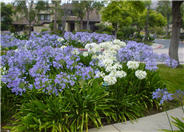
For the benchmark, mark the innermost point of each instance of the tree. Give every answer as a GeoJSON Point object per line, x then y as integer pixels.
{"type": "Point", "coordinates": [90, 6]}
{"type": "Point", "coordinates": [79, 9]}
{"type": "Point", "coordinates": [121, 13]}
{"type": "Point", "coordinates": [6, 13]}
{"type": "Point", "coordinates": [56, 10]}
{"type": "Point", "coordinates": [147, 4]}
{"type": "Point", "coordinates": [25, 7]}
{"type": "Point", "coordinates": [41, 6]}
{"type": "Point", "coordinates": [65, 10]}
{"type": "Point", "coordinates": [164, 7]}
{"type": "Point", "coordinates": [176, 25]}
{"type": "Point", "coordinates": [155, 19]}
{"type": "Point", "coordinates": [182, 14]}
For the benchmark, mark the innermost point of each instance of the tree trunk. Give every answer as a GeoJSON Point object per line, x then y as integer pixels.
{"type": "Point", "coordinates": [115, 30]}
{"type": "Point", "coordinates": [167, 30]}
{"type": "Point", "coordinates": [147, 24]}
{"type": "Point", "coordinates": [55, 17]}
{"type": "Point", "coordinates": [30, 29]}
{"type": "Point", "coordinates": [88, 27]}
{"type": "Point", "coordinates": [64, 21]}
{"type": "Point", "coordinates": [176, 25]}
{"type": "Point", "coordinates": [81, 23]}
{"type": "Point", "coordinates": [63, 25]}
{"type": "Point", "coordinates": [29, 17]}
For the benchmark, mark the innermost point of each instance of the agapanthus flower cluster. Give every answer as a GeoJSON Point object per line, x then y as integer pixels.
{"type": "Point", "coordinates": [48, 69]}
{"type": "Point", "coordinates": [132, 64]}
{"type": "Point", "coordinates": [85, 37]}
{"type": "Point", "coordinates": [105, 55]}
{"type": "Point", "coordinates": [45, 61]}
{"type": "Point", "coordinates": [143, 53]}
{"type": "Point", "coordinates": [163, 95]}
{"type": "Point", "coordinates": [8, 40]}
{"type": "Point", "coordinates": [140, 74]}
{"type": "Point", "coordinates": [38, 41]}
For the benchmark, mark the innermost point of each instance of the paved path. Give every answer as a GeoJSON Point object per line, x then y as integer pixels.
{"type": "Point", "coordinates": [161, 46]}
{"type": "Point", "coordinates": [153, 123]}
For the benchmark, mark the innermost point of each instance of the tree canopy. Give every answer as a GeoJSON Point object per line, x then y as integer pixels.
{"type": "Point", "coordinates": [121, 13]}
{"type": "Point", "coordinates": [6, 13]}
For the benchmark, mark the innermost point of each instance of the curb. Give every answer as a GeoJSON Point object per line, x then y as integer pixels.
{"type": "Point", "coordinates": [157, 46]}
{"type": "Point", "coordinates": [151, 123]}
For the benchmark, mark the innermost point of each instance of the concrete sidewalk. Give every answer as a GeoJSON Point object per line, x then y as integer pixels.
{"type": "Point", "coordinates": [152, 123]}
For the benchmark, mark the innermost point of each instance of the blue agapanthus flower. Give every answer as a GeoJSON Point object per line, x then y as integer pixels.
{"type": "Point", "coordinates": [163, 95]}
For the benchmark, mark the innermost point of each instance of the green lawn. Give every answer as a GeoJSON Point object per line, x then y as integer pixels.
{"type": "Point", "coordinates": [173, 78]}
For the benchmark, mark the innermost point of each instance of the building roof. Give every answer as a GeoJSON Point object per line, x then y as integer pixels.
{"type": "Point", "coordinates": [22, 21]}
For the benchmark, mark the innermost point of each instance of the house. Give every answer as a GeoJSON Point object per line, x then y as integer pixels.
{"type": "Point", "coordinates": [44, 20]}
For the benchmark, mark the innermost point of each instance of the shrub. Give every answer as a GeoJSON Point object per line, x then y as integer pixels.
{"type": "Point", "coordinates": [9, 104]}
{"type": "Point", "coordinates": [44, 30]}
{"type": "Point", "coordinates": [126, 33]}
{"type": "Point", "coordinates": [73, 110]}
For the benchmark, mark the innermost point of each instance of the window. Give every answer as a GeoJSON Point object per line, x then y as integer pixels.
{"type": "Point", "coordinates": [44, 17]}
{"type": "Point", "coordinates": [70, 12]}
{"type": "Point", "coordinates": [47, 17]}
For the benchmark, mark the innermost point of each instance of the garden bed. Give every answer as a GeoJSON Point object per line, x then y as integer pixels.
{"type": "Point", "coordinates": [48, 83]}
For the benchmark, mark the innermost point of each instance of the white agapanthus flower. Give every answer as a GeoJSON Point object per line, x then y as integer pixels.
{"type": "Point", "coordinates": [122, 44]}
{"type": "Point", "coordinates": [89, 45]}
{"type": "Point", "coordinates": [114, 67]}
{"type": "Point", "coordinates": [133, 64]}
{"type": "Point", "coordinates": [94, 56]}
{"type": "Point", "coordinates": [116, 41]}
{"type": "Point", "coordinates": [60, 39]}
{"type": "Point", "coordinates": [110, 79]}
{"type": "Point", "coordinates": [109, 54]}
{"type": "Point", "coordinates": [106, 45]}
{"type": "Point", "coordinates": [96, 48]}
{"type": "Point", "coordinates": [107, 62]}
{"type": "Point", "coordinates": [62, 47]}
{"type": "Point", "coordinates": [140, 74]}
{"type": "Point", "coordinates": [85, 54]}
{"type": "Point", "coordinates": [120, 74]}
{"type": "Point", "coordinates": [117, 66]}
{"type": "Point", "coordinates": [75, 52]}
{"type": "Point", "coordinates": [100, 74]}
{"type": "Point", "coordinates": [119, 43]}
{"type": "Point", "coordinates": [105, 53]}
{"type": "Point", "coordinates": [109, 68]}
{"type": "Point", "coordinates": [115, 47]}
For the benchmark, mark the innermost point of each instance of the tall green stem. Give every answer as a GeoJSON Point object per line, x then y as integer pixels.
{"type": "Point", "coordinates": [182, 106]}
{"type": "Point", "coordinates": [169, 121]}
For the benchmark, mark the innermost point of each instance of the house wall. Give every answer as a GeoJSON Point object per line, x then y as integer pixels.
{"type": "Point", "coordinates": [67, 27]}
{"type": "Point", "coordinates": [77, 26]}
